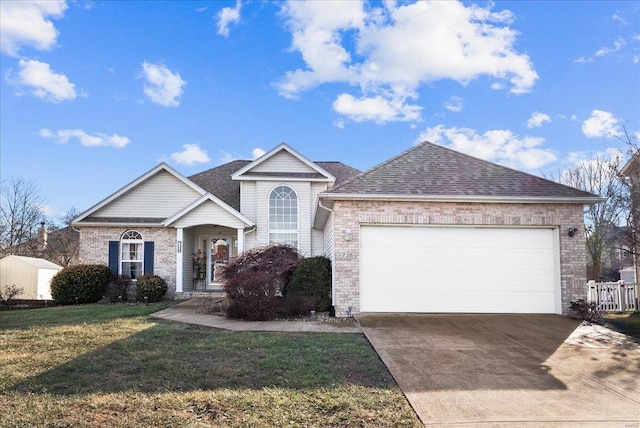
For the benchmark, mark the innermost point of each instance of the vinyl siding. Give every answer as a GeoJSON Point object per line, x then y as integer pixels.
{"type": "Point", "coordinates": [209, 213]}
{"type": "Point", "coordinates": [160, 196]}
{"type": "Point", "coordinates": [282, 161]}
{"type": "Point", "coordinates": [248, 199]}
{"type": "Point", "coordinates": [327, 247]}
{"type": "Point", "coordinates": [303, 189]}
{"type": "Point", "coordinates": [317, 239]}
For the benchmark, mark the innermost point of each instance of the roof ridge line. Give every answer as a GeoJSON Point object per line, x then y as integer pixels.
{"type": "Point", "coordinates": [380, 165]}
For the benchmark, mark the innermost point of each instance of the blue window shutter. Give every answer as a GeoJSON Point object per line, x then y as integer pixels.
{"type": "Point", "coordinates": [148, 257]}
{"type": "Point", "coordinates": [114, 249]}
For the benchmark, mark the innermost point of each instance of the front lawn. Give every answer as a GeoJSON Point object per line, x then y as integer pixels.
{"type": "Point", "coordinates": [627, 323]}
{"type": "Point", "coordinates": [112, 365]}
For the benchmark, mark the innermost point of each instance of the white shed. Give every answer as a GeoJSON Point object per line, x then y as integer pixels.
{"type": "Point", "coordinates": [31, 274]}
{"type": "Point", "coordinates": [628, 274]}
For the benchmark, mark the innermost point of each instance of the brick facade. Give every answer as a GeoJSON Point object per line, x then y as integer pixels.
{"type": "Point", "coordinates": [352, 214]}
{"type": "Point", "coordinates": [634, 175]}
{"type": "Point", "coordinates": [94, 248]}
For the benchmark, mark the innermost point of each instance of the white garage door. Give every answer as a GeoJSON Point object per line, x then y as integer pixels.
{"type": "Point", "coordinates": [459, 269]}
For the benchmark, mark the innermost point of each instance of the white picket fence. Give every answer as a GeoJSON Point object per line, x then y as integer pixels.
{"type": "Point", "coordinates": [614, 296]}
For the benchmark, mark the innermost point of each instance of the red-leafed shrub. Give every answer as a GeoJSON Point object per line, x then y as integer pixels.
{"type": "Point", "coordinates": [295, 305]}
{"type": "Point", "coordinates": [254, 281]}
{"type": "Point", "coordinates": [254, 297]}
{"type": "Point", "coordinates": [118, 288]}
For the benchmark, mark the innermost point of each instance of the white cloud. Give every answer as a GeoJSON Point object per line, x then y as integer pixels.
{"type": "Point", "coordinates": [257, 152]}
{"type": "Point", "coordinates": [43, 82]}
{"type": "Point", "coordinates": [378, 109]}
{"type": "Point", "coordinates": [191, 154]}
{"type": "Point", "coordinates": [619, 18]}
{"type": "Point", "coordinates": [617, 45]}
{"type": "Point", "coordinates": [537, 119]}
{"type": "Point", "coordinates": [454, 103]}
{"type": "Point", "coordinates": [501, 146]}
{"type": "Point", "coordinates": [162, 86]}
{"type": "Point", "coordinates": [392, 50]}
{"type": "Point", "coordinates": [601, 124]}
{"type": "Point", "coordinates": [228, 15]}
{"type": "Point", "coordinates": [63, 136]}
{"type": "Point", "coordinates": [27, 23]}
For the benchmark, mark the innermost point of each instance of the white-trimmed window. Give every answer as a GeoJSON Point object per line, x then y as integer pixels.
{"type": "Point", "coordinates": [132, 254]}
{"type": "Point", "coordinates": [283, 216]}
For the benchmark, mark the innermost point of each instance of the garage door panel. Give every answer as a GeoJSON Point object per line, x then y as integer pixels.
{"type": "Point", "coordinates": [458, 269]}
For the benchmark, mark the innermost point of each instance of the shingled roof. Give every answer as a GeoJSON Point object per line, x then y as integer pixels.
{"type": "Point", "coordinates": [432, 171]}
{"type": "Point", "coordinates": [218, 182]}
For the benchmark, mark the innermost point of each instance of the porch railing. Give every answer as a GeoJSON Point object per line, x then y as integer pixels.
{"type": "Point", "coordinates": [614, 296]}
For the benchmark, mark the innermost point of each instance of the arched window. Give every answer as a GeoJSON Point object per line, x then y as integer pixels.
{"type": "Point", "coordinates": [131, 254]}
{"type": "Point", "coordinates": [283, 216]}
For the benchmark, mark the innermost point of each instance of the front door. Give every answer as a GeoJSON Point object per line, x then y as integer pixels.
{"type": "Point", "coordinates": [219, 250]}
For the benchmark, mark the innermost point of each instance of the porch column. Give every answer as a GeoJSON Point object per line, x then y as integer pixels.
{"type": "Point", "coordinates": [240, 241]}
{"type": "Point", "coordinates": [179, 259]}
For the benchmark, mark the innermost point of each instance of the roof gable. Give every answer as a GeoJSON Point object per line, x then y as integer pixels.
{"type": "Point", "coordinates": [432, 172]}
{"type": "Point", "coordinates": [283, 163]}
{"type": "Point", "coordinates": [632, 164]}
{"type": "Point", "coordinates": [154, 184]}
{"type": "Point", "coordinates": [211, 208]}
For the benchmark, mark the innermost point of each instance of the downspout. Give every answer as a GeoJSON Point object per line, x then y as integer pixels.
{"type": "Point", "coordinates": [332, 312]}
{"type": "Point", "coordinates": [246, 232]}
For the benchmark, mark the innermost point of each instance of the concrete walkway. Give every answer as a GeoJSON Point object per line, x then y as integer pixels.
{"type": "Point", "coordinates": [188, 312]}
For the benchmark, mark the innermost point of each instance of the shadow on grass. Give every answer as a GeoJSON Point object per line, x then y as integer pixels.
{"type": "Point", "coordinates": [74, 315]}
{"type": "Point", "coordinates": [168, 357]}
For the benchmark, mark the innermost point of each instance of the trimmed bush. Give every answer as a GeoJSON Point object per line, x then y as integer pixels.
{"type": "Point", "coordinates": [117, 290]}
{"type": "Point", "coordinates": [312, 279]}
{"type": "Point", "coordinates": [152, 287]}
{"type": "Point", "coordinates": [254, 281]}
{"type": "Point", "coordinates": [87, 283]}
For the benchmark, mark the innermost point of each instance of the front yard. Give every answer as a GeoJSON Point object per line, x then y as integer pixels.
{"type": "Point", "coordinates": [627, 323]}
{"type": "Point", "coordinates": [111, 365]}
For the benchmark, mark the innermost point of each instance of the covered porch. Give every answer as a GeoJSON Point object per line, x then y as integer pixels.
{"type": "Point", "coordinates": [207, 248]}
{"type": "Point", "coordinates": [208, 233]}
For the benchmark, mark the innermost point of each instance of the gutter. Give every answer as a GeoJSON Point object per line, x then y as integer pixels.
{"type": "Point", "coordinates": [456, 198]}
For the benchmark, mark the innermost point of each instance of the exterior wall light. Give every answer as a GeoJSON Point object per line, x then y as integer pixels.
{"type": "Point", "coordinates": [572, 231]}
{"type": "Point", "coordinates": [347, 235]}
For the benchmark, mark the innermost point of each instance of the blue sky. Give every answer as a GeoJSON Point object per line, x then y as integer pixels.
{"type": "Point", "coordinates": [94, 94]}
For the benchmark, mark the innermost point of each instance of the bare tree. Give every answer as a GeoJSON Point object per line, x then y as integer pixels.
{"type": "Point", "coordinates": [21, 211]}
{"type": "Point", "coordinates": [603, 220]}
{"type": "Point", "coordinates": [632, 181]}
{"type": "Point", "coordinates": [62, 245]}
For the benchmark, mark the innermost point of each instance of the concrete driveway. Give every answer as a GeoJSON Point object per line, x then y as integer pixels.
{"type": "Point", "coordinates": [523, 370]}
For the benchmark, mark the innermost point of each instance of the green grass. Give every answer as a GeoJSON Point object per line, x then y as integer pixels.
{"type": "Point", "coordinates": [112, 365]}
{"type": "Point", "coordinates": [627, 323]}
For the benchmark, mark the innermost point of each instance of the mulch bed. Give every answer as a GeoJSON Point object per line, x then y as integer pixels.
{"type": "Point", "coordinates": [217, 307]}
